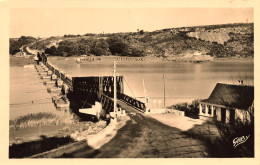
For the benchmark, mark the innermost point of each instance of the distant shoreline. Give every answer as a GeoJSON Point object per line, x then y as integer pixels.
{"type": "Point", "coordinates": [147, 59]}
{"type": "Point", "coordinates": [21, 61]}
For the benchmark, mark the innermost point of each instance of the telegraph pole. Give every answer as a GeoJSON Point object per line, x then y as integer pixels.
{"type": "Point", "coordinates": [146, 101]}
{"type": "Point", "coordinates": [115, 99]}
{"type": "Point", "coordinates": [164, 89]}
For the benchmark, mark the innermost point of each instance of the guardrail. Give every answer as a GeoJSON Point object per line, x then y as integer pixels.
{"type": "Point", "coordinates": [107, 103]}
{"type": "Point", "coordinates": [97, 86]}
{"type": "Point", "coordinates": [132, 102]}
{"type": "Point", "coordinates": [67, 80]}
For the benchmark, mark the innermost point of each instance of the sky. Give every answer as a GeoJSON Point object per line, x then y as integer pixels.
{"type": "Point", "coordinates": [46, 22]}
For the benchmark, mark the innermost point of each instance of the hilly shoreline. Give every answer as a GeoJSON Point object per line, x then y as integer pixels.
{"type": "Point", "coordinates": [200, 43]}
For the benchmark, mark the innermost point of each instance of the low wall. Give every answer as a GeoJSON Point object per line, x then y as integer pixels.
{"type": "Point", "coordinates": [207, 118]}
{"type": "Point", "coordinates": [177, 112]}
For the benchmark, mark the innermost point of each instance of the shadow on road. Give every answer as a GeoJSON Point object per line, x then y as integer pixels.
{"type": "Point", "coordinates": [145, 137]}
{"type": "Point", "coordinates": [218, 144]}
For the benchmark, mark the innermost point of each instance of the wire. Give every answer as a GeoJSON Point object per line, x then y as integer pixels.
{"type": "Point", "coordinates": [129, 87]}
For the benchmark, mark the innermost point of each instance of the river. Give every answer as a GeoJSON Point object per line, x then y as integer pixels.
{"type": "Point", "coordinates": [184, 81]}
{"type": "Point", "coordinates": [28, 94]}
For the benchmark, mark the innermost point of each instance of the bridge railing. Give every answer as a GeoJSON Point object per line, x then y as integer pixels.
{"type": "Point", "coordinates": [107, 103]}
{"type": "Point", "coordinates": [67, 80]}
{"type": "Point", "coordinates": [95, 85]}
{"type": "Point", "coordinates": [132, 102]}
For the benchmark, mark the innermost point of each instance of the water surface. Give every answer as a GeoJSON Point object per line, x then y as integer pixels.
{"type": "Point", "coordinates": [28, 94]}
{"type": "Point", "coordinates": [183, 80]}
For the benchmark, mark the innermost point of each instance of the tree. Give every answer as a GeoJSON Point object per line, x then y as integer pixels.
{"type": "Point", "coordinates": [52, 51]}
{"type": "Point", "coordinates": [15, 45]}
{"type": "Point", "coordinates": [117, 45]}
{"type": "Point", "coordinates": [137, 52]}
{"type": "Point", "coordinates": [101, 47]}
{"type": "Point", "coordinates": [141, 32]}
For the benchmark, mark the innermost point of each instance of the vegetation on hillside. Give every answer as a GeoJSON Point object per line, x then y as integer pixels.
{"type": "Point", "coordinates": [16, 44]}
{"type": "Point", "coordinates": [227, 40]}
{"type": "Point", "coordinates": [42, 44]}
{"type": "Point", "coordinates": [115, 45]}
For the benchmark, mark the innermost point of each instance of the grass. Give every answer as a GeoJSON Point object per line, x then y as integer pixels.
{"type": "Point", "coordinates": [223, 147]}
{"type": "Point", "coordinates": [230, 132]}
{"type": "Point", "coordinates": [37, 119]}
{"type": "Point", "coordinates": [190, 109]}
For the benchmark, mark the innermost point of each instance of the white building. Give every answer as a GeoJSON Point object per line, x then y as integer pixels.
{"type": "Point", "coordinates": [228, 103]}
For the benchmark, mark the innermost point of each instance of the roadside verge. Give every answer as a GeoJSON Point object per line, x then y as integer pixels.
{"type": "Point", "coordinates": [92, 141]}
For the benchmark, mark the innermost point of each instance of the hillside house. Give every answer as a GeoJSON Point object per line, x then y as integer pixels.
{"type": "Point", "coordinates": [228, 103]}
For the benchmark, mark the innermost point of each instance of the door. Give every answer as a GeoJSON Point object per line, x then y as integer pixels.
{"type": "Point", "coordinates": [232, 116]}
{"type": "Point", "coordinates": [223, 115]}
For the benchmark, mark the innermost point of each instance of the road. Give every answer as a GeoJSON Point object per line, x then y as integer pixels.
{"type": "Point", "coordinates": [145, 137]}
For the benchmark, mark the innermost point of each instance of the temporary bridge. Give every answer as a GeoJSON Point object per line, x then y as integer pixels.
{"type": "Point", "coordinates": [98, 88]}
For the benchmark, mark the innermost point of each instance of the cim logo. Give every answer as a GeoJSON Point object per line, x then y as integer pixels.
{"type": "Point", "coordinates": [239, 140]}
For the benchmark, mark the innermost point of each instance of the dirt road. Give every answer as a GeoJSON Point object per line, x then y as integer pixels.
{"type": "Point", "coordinates": [145, 137]}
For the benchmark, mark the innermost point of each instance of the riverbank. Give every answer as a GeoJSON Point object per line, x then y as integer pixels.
{"type": "Point", "coordinates": [32, 126]}
{"type": "Point", "coordinates": [34, 130]}
{"type": "Point", "coordinates": [50, 140]}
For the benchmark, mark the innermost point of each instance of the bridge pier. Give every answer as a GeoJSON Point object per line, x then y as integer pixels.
{"type": "Point", "coordinates": [49, 72]}
{"type": "Point", "coordinates": [65, 89]}
{"type": "Point", "coordinates": [86, 89]}
{"type": "Point", "coordinates": [59, 83]}
{"type": "Point", "coordinates": [54, 77]}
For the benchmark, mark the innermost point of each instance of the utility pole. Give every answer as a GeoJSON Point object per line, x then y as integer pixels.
{"type": "Point", "coordinates": [164, 89]}
{"type": "Point", "coordinates": [115, 99]}
{"type": "Point", "coordinates": [145, 96]}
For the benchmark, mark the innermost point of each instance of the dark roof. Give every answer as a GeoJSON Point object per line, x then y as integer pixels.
{"type": "Point", "coordinates": [232, 96]}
